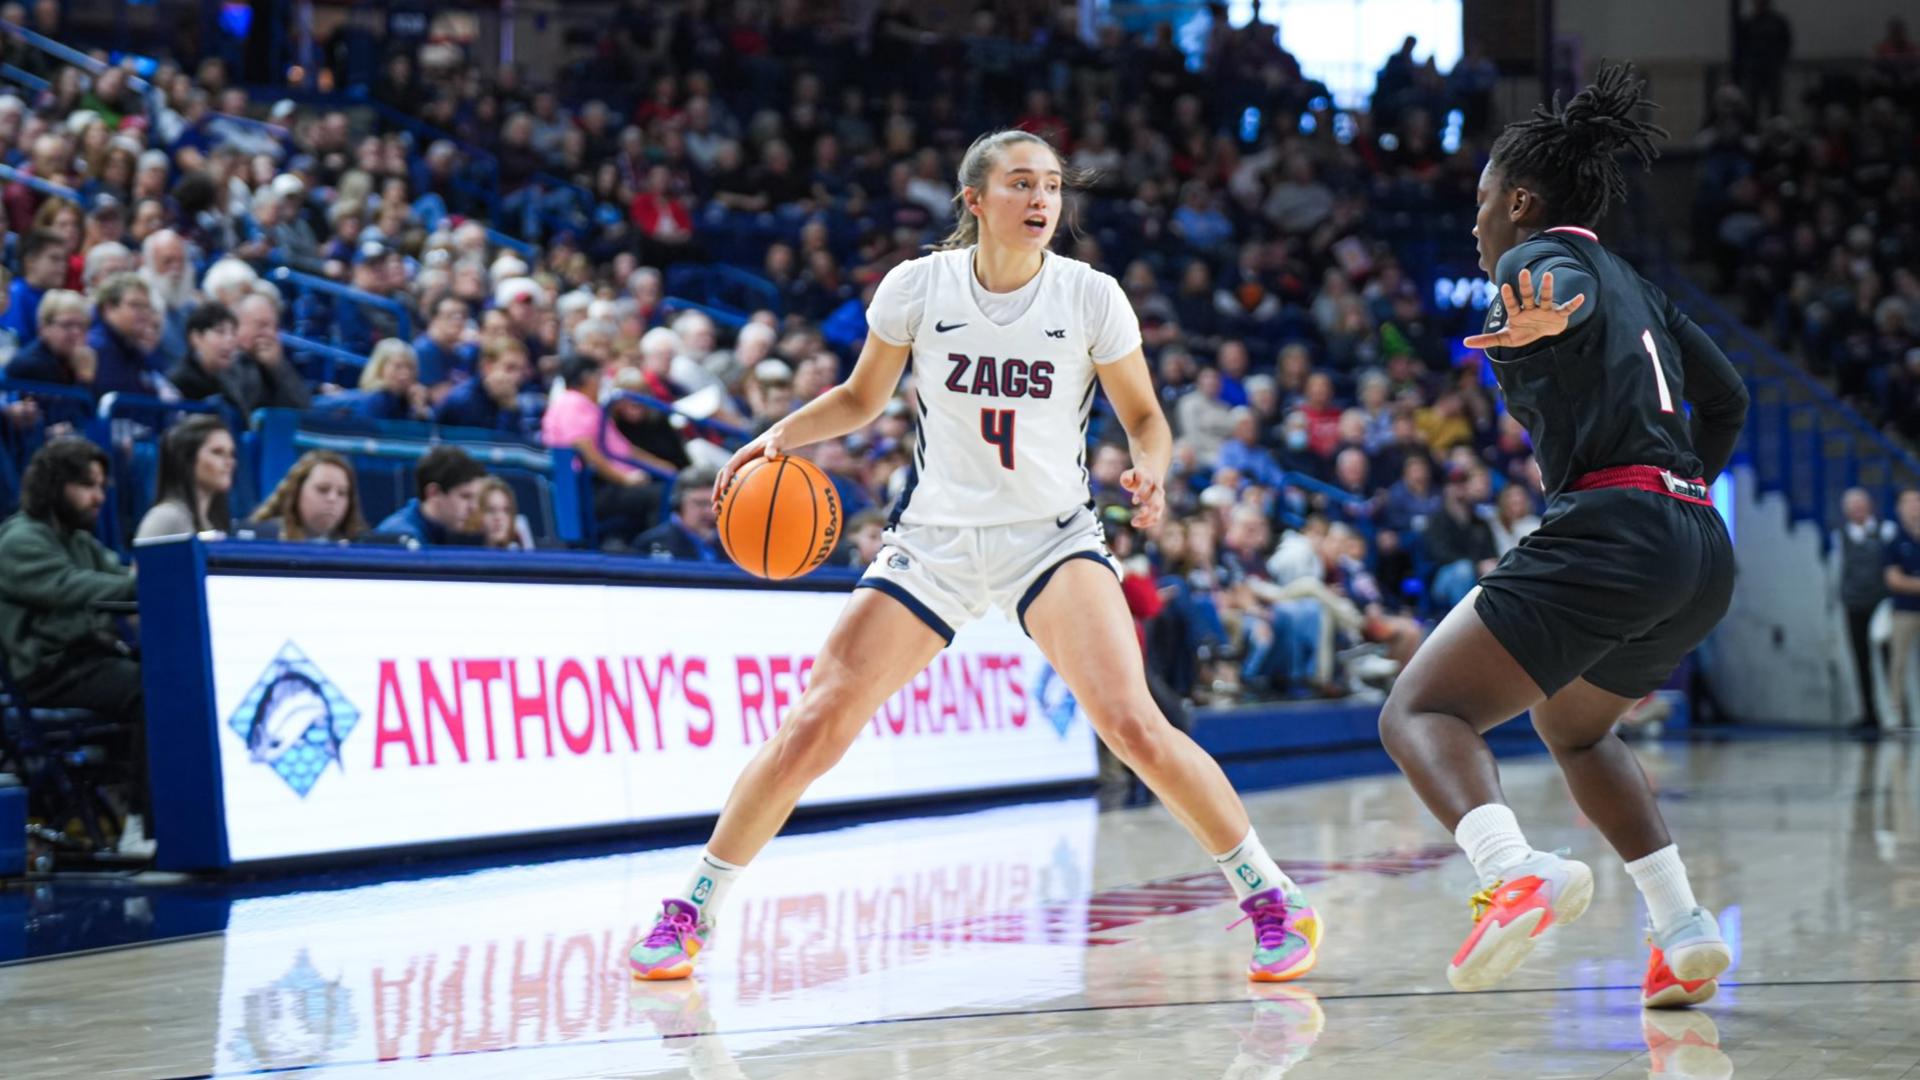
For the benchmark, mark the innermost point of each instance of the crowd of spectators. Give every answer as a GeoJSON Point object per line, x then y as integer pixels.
{"type": "Point", "coordinates": [1810, 215]}
{"type": "Point", "coordinates": [1338, 459]}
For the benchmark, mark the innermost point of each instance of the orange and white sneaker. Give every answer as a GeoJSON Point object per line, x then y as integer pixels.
{"type": "Point", "coordinates": [1540, 893]}
{"type": "Point", "coordinates": [1698, 955]}
{"type": "Point", "coordinates": [1683, 1046]}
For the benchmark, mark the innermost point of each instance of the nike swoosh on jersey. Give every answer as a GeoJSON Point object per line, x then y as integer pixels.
{"type": "Point", "coordinates": [940, 327]}
{"type": "Point", "coordinates": [1063, 522]}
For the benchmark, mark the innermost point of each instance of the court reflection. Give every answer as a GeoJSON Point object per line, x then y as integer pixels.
{"type": "Point", "coordinates": [1683, 1044]}
{"type": "Point", "coordinates": [828, 928]}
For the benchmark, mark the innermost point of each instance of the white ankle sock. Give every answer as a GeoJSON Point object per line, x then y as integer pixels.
{"type": "Point", "coordinates": [1491, 837]}
{"type": "Point", "coordinates": [1250, 869]}
{"type": "Point", "coordinates": [1662, 879]}
{"type": "Point", "coordinates": [707, 887]}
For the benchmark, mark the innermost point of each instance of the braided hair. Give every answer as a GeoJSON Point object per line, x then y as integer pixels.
{"type": "Point", "coordinates": [1567, 154]}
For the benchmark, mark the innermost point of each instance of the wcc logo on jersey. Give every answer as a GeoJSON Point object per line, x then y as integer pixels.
{"type": "Point", "coordinates": [294, 719]}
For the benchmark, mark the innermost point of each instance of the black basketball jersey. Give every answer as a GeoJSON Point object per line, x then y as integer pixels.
{"type": "Point", "coordinates": [1608, 390]}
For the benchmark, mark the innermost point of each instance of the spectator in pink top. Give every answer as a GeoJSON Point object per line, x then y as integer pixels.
{"type": "Point", "coordinates": [624, 497]}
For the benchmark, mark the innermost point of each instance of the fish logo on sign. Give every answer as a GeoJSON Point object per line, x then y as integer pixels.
{"type": "Point", "coordinates": [294, 719]}
{"type": "Point", "coordinates": [1050, 693]}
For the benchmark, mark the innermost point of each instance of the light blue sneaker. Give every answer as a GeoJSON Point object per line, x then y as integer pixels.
{"type": "Point", "coordinates": [1688, 956]}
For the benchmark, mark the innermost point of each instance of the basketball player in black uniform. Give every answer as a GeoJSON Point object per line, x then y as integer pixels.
{"type": "Point", "coordinates": [1631, 566]}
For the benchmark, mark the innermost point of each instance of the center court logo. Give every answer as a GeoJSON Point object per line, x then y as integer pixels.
{"type": "Point", "coordinates": [294, 719]}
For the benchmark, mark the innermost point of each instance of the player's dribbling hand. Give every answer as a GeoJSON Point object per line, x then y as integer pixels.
{"type": "Point", "coordinates": [770, 445]}
{"type": "Point", "coordinates": [1528, 321]}
{"type": "Point", "coordinates": [1149, 498]}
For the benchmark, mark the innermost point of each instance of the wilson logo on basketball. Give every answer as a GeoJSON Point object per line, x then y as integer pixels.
{"type": "Point", "coordinates": [780, 518]}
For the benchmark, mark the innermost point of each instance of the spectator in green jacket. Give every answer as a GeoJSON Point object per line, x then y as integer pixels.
{"type": "Point", "coordinates": [60, 649]}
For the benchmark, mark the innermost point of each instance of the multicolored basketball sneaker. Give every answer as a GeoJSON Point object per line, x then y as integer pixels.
{"type": "Point", "coordinates": [1509, 916]}
{"type": "Point", "coordinates": [668, 950]}
{"type": "Point", "coordinates": [1286, 933]}
{"type": "Point", "coordinates": [1686, 962]}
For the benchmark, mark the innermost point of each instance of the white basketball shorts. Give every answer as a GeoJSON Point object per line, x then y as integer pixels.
{"type": "Point", "coordinates": [950, 575]}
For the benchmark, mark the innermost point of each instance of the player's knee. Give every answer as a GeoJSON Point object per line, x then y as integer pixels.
{"type": "Point", "coordinates": [1136, 733]}
{"type": "Point", "coordinates": [1396, 721]}
{"type": "Point", "coordinates": [810, 741]}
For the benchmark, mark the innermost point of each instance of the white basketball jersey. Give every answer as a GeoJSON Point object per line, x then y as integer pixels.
{"type": "Point", "coordinates": [1003, 410]}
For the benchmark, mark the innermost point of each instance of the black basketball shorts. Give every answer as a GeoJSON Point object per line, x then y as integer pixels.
{"type": "Point", "coordinates": [1616, 586]}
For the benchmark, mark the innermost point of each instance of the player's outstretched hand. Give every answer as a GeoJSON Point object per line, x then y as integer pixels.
{"type": "Point", "coordinates": [1528, 321]}
{"type": "Point", "coordinates": [770, 445]}
{"type": "Point", "coordinates": [1149, 498]}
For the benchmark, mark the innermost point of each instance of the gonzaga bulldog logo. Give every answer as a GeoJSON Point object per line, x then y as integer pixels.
{"type": "Point", "coordinates": [294, 719]}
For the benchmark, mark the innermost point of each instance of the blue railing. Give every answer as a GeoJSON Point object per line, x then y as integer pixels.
{"type": "Point", "coordinates": [731, 320]}
{"type": "Point", "coordinates": [332, 358]}
{"type": "Point", "coordinates": [69, 55]}
{"type": "Point", "coordinates": [730, 432]}
{"type": "Point", "coordinates": [44, 187]}
{"type": "Point", "coordinates": [309, 283]}
{"type": "Point", "coordinates": [1801, 440]}
{"type": "Point", "coordinates": [25, 78]}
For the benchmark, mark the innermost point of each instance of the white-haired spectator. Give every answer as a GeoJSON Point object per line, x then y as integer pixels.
{"type": "Point", "coordinates": [262, 375]}
{"type": "Point", "coordinates": [228, 280]}
{"type": "Point", "coordinates": [697, 334]}
{"type": "Point", "coordinates": [471, 239]}
{"type": "Point", "coordinates": [150, 178]}
{"type": "Point", "coordinates": [647, 288]}
{"type": "Point", "coordinates": [507, 267]}
{"type": "Point", "coordinates": [105, 259]}
{"type": "Point", "coordinates": [595, 338]}
{"type": "Point", "coordinates": [169, 277]}
{"type": "Point", "coordinates": [751, 345]}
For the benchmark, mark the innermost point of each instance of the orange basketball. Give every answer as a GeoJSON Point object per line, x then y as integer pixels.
{"type": "Point", "coordinates": [779, 519]}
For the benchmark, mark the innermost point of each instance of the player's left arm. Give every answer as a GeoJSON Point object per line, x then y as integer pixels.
{"type": "Point", "coordinates": [1129, 389]}
{"type": "Point", "coordinates": [1544, 291]}
{"type": "Point", "coordinates": [1714, 389]}
{"type": "Point", "coordinates": [1113, 344]}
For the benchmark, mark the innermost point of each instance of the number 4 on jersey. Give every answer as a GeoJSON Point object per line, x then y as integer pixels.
{"type": "Point", "coordinates": [996, 426]}
{"type": "Point", "coordinates": [1659, 377]}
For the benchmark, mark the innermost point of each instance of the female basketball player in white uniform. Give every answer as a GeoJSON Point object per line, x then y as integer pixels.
{"type": "Point", "coordinates": [1007, 340]}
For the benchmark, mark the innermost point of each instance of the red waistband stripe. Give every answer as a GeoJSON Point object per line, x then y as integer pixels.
{"type": "Point", "coordinates": [1647, 478]}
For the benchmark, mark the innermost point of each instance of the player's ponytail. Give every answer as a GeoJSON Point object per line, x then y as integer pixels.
{"type": "Point", "coordinates": [1567, 154]}
{"type": "Point", "coordinates": [975, 165]}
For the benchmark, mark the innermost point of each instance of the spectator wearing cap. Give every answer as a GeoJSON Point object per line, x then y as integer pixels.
{"type": "Point", "coordinates": [493, 401]}
{"type": "Point", "coordinates": [691, 533]}
{"type": "Point", "coordinates": [525, 303]}
{"type": "Point", "coordinates": [126, 328]}
{"type": "Point", "coordinates": [623, 495]}
{"type": "Point", "coordinates": [261, 373]}
{"type": "Point", "coordinates": [212, 343]}
{"type": "Point", "coordinates": [358, 325]}
{"type": "Point", "coordinates": [43, 266]}
{"type": "Point", "coordinates": [444, 351]}
{"type": "Point", "coordinates": [448, 483]}
{"type": "Point", "coordinates": [1459, 541]}
{"type": "Point", "coordinates": [59, 353]}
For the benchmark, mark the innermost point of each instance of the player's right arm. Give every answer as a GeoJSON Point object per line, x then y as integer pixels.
{"type": "Point", "coordinates": [846, 408]}
{"type": "Point", "coordinates": [892, 321]}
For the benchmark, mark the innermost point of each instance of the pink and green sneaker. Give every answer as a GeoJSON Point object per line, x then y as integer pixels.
{"type": "Point", "coordinates": [1286, 933]}
{"type": "Point", "coordinates": [668, 950]}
